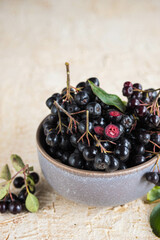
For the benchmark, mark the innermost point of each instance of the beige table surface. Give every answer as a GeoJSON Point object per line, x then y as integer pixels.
{"type": "Point", "coordinates": [115, 40]}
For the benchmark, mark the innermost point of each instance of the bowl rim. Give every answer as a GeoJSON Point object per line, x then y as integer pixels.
{"type": "Point", "coordinates": [83, 172]}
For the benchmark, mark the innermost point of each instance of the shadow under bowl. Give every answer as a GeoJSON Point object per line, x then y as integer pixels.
{"type": "Point", "coordinates": [93, 188]}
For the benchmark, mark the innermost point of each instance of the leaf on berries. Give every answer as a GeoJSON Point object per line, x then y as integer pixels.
{"type": "Point", "coordinates": [110, 99]}
{"type": "Point", "coordinates": [31, 169]}
{"type": "Point", "coordinates": [155, 220]}
{"type": "Point", "coordinates": [32, 203]}
{"type": "Point", "coordinates": [30, 180]}
{"type": "Point", "coordinates": [4, 186]}
{"type": "Point", "coordinates": [5, 173]}
{"type": "Point", "coordinates": [153, 194]}
{"type": "Point", "coordinates": [17, 162]}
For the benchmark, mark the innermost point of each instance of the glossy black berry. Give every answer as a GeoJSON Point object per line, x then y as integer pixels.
{"type": "Point", "coordinates": [127, 121]}
{"type": "Point", "coordinates": [52, 139]}
{"type": "Point", "coordinates": [127, 91]}
{"type": "Point", "coordinates": [124, 142]}
{"type": "Point", "coordinates": [143, 137]}
{"type": "Point", "coordinates": [102, 161]}
{"type": "Point", "coordinates": [74, 139]}
{"type": "Point", "coordinates": [15, 207]}
{"type": "Point", "coordinates": [137, 86]}
{"type": "Point", "coordinates": [138, 159]}
{"type": "Point", "coordinates": [93, 80]}
{"type": "Point", "coordinates": [81, 85]}
{"type": "Point", "coordinates": [155, 137]}
{"type": "Point", "coordinates": [94, 109]}
{"type": "Point", "coordinates": [59, 154]}
{"type": "Point", "coordinates": [154, 121]}
{"type": "Point", "coordinates": [22, 195]}
{"type": "Point", "coordinates": [122, 166]}
{"type": "Point", "coordinates": [82, 126]}
{"type": "Point", "coordinates": [35, 177]}
{"type": "Point", "coordinates": [122, 153]}
{"type": "Point", "coordinates": [82, 145]}
{"type": "Point", "coordinates": [65, 157]}
{"type": "Point", "coordinates": [114, 164]}
{"type": "Point", "coordinates": [152, 177]}
{"type": "Point", "coordinates": [50, 102]}
{"type": "Point", "coordinates": [141, 111]}
{"type": "Point", "coordinates": [18, 182]}
{"type": "Point", "coordinates": [89, 153]}
{"type": "Point", "coordinates": [76, 160]}
{"type": "Point", "coordinates": [64, 142]}
{"type": "Point", "coordinates": [140, 149]}
{"type": "Point", "coordinates": [72, 107]}
{"type": "Point", "coordinates": [82, 98]}
{"type": "Point", "coordinates": [3, 207]}
{"type": "Point", "coordinates": [133, 102]}
{"type": "Point", "coordinates": [8, 199]}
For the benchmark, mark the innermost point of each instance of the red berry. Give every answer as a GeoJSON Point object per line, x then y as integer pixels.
{"type": "Point", "coordinates": [141, 111]}
{"type": "Point", "coordinates": [128, 84]}
{"type": "Point", "coordinates": [112, 132]}
{"type": "Point", "coordinates": [99, 130]}
{"type": "Point", "coordinates": [127, 91]}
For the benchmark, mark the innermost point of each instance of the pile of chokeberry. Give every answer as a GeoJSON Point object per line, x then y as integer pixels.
{"type": "Point", "coordinates": [13, 203]}
{"type": "Point", "coordinates": [25, 199]}
{"type": "Point", "coordinates": [84, 132]}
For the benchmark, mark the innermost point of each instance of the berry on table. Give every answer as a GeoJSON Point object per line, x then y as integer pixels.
{"type": "Point", "coordinates": [18, 182]}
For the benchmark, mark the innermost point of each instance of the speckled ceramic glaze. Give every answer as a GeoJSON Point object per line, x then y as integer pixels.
{"type": "Point", "coordinates": [90, 187]}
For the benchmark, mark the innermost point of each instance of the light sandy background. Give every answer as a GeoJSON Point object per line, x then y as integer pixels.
{"type": "Point", "coordinates": [115, 40]}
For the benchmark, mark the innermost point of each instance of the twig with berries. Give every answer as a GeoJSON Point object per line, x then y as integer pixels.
{"type": "Point", "coordinates": [9, 201]}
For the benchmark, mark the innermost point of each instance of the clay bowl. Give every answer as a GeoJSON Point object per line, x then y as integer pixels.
{"type": "Point", "coordinates": [90, 187]}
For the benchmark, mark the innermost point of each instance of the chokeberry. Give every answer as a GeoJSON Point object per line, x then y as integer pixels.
{"type": "Point", "coordinates": [81, 85]}
{"type": "Point", "coordinates": [122, 153]}
{"type": "Point", "coordinates": [137, 86]}
{"type": "Point", "coordinates": [50, 102]}
{"type": "Point", "coordinates": [76, 160]}
{"type": "Point", "coordinates": [82, 98]}
{"type": "Point", "coordinates": [112, 132]}
{"type": "Point", "coordinates": [113, 115]}
{"type": "Point", "coordinates": [94, 109]}
{"type": "Point", "coordinates": [93, 80]}
{"type": "Point", "coordinates": [18, 182]}
{"type": "Point", "coordinates": [144, 137]}
{"type": "Point", "coordinates": [35, 177]}
{"type": "Point", "coordinates": [127, 121]}
{"type": "Point", "coordinates": [3, 207]}
{"type": "Point", "coordinates": [155, 137]}
{"type": "Point", "coordinates": [89, 153]}
{"type": "Point", "coordinates": [141, 110]}
{"type": "Point", "coordinates": [82, 126]}
{"type": "Point", "coordinates": [102, 161]}
{"type": "Point", "coordinates": [127, 91]}
{"type": "Point", "coordinates": [152, 177]}
{"type": "Point", "coordinates": [138, 159]}
{"type": "Point", "coordinates": [15, 207]}
{"type": "Point", "coordinates": [114, 164]}
{"type": "Point", "coordinates": [52, 139]}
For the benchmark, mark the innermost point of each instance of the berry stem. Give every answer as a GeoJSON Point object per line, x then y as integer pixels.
{"type": "Point", "coordinates": [154, 144]}
{"type": "Point", "coordinates": [87, 132]}
{"type": "Point", "coordinates": [60, 122]}
{"type": "Point", "coordinates": [69, 115]}
{"type": "Point", "coordinates": [68, 96]}
{"type": "Point", "coordinates": [23, 169]}
{"type": "Point", "coordinates": [100, 145]}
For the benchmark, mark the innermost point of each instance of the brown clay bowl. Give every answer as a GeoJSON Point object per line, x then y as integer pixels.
{"type": "Point", "coordinates": [93, 188]}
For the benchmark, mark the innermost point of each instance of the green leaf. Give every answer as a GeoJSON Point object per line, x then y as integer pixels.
{"type": "Point", "coordinates": [5, 173]}
{"type": "Point", "coordinates": [32, 203]}
{"type": "Point", "coordinates": [30, 180]}
{"type": "Point", "coordinates": [155, 220]}
{"type": "Point", "coordinates": [4, 189]}
{"type": "Point", "coordinates": [107, 98]}
{"type": "Point", "coordinates": [153, 194]}
{"type": "Point", "coordinates": [31, 169]}
{"type": "Point", "coordinates": [17, 162]}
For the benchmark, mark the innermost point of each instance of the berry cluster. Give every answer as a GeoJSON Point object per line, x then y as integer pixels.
{"type": "Point", "coordinates": [13, 203]}
{"type": "Point", "coordinates": [84, 132]}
